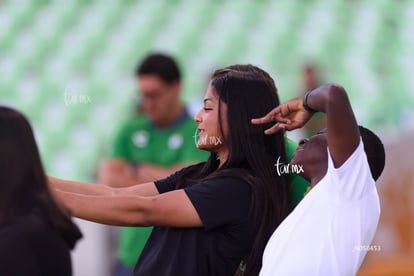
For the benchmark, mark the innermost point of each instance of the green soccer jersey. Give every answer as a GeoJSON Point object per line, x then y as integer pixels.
{"type": "Point", "coordinates": [139, 140]}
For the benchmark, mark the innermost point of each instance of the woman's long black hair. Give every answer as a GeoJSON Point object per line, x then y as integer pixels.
{"type": "Point", "coordinates": [23, 186]}
{"type": "Point", "coordinates": [249, 92]}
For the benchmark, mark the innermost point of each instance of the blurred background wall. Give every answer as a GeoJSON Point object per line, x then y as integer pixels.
{"type": "Point", "coordinates": [68, 65]}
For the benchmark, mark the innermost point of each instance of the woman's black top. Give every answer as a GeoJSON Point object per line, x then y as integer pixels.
{"type": "Point", "coordinates": [216, 248]}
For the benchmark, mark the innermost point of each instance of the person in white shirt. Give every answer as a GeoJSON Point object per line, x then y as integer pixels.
{"type": "Point", "coordinates": [331, 229]}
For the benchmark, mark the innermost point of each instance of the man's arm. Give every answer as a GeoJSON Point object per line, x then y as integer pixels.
{"type": "Point", "coordinates": [343, 132]}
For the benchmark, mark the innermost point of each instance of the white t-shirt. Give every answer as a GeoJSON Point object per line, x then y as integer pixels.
{"type": "Point", "coordinates": [325, 233]}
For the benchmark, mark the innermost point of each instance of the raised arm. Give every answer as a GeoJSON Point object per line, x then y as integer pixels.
{"type": "Point", "coordinates": [343, 131]}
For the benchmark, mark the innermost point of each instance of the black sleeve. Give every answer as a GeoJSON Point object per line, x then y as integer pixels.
{"type": "Point", "coordinates": [169, 183]}
{"type": "Point", "coordinates": [166, 184]}
{"type": "Point", "coordinates": [220, 201]}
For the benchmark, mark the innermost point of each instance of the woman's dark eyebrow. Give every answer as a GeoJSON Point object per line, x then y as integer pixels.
{"type": "Point", "coordinates": [207, 99]}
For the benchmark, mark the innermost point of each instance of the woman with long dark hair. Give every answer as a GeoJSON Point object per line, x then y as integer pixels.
{"type": "Point", "coordinates": [36, 234]}
{"type": "Point", "coordinates": [212, 216]}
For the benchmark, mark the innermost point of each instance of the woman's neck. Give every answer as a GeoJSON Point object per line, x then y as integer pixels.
{"type": "Point", "coordinates": [223, 155]}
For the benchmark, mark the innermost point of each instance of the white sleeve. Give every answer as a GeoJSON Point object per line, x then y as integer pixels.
{"type": "Point", "coordinates": [357, 212]}
{"type": "Point", "coordinates": [352, 180]}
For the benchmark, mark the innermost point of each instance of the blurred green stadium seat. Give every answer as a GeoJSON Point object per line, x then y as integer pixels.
{"type": "Point", "coordinates": [50, 51]}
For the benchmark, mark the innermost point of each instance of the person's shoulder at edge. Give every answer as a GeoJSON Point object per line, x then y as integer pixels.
{"type": "Point", "coordinates": [23, 227]}
{"type": "Point", "coordinates": [15, 246]}
{"type": "Point", "coordinates": [353, 177]}
{"type": "Point", "coordinates": [349, 162]}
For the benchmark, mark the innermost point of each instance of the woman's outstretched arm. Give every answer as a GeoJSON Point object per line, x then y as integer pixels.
{"type": "Point", "coordinates": [145, 189]}
{"type": "Point", "coordinates": [168, 209]}
{"type": "Point", "coordinates": [79, 187]}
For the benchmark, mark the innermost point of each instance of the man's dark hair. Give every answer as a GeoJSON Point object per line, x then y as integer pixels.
{"type": "Point", "coordinates": [161, 65]}
{"type": "Point", "coordinates": [374, 149]}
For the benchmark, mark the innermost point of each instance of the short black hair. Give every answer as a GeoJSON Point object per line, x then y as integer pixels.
{"type": "Point", "coordinates": [374, 149]}
{"type": "Point", "coordinates": [161, 65]}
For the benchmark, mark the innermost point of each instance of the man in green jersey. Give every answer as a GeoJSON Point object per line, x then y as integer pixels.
{"type": "Point", "coordinates": [150, 146]}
